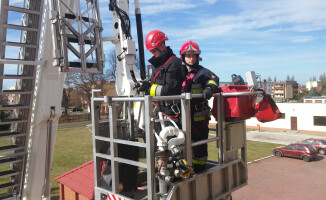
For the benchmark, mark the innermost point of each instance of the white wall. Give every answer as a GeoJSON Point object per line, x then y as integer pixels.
{"type": "Point", "coordinates": [303, 111]}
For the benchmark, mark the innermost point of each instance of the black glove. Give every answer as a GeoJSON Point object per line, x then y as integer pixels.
{"type": "Point", "coordinates": [208, 93]}
{"type": "Point", "coordinates": [146, 85]}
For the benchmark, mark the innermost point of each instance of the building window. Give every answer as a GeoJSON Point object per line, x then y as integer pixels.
{"type": "Point", "coordinates": [319, 121]}
{"type": "Point", "coordinates": [318, 101]}
{"type": "Point", "coordinates": [308, 101]}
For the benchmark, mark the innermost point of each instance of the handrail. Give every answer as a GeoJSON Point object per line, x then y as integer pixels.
{"type": "Point", "coordinates": [175, 97]}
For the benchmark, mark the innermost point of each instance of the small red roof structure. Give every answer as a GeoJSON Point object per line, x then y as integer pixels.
{"type": "Point", "coordinates": [79, 180]}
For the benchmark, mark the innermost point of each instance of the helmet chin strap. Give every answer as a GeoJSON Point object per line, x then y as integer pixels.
{"type": "Point", "coordinates": [189, 65]}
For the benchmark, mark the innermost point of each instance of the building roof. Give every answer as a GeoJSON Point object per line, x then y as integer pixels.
{"type": "Point", "coordinates": [80, 179]}
{"type": "Point", "coordinates": [315, 97]}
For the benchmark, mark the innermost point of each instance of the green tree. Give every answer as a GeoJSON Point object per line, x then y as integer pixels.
{"type": "Point", "coordinates": [4, 114]}
{"type": "Point", "coordinates": [314, 92]}
{"type": "Point", "coordinates": [323, 90]}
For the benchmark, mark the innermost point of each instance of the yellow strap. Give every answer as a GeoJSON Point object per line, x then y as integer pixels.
{"type": "Point", "coordinates": [199, 162]}
{"type": "Point", "coordinates": [212, 82]}
{"type": "Point", "coordinates": [153, 89]}
{"type": "Point", "coordinates": [200, 118]}
{"type": "Point", "coordinates": [196, 90]}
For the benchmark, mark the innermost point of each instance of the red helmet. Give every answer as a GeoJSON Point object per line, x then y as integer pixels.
{"type": "Point", "coordinates": [154, 39]}
{"type": "Point", "coordinates": [189, 47]}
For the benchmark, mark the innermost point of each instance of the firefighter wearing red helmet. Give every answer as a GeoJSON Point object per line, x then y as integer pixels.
{"type": "Point", "coordinates": [199, 80]}
{"type": "Point", "coordinates": [167, 73]}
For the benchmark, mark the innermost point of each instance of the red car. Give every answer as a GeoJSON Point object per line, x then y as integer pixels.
{"type": "Point", "coordinates": [319, 144]}
{"type": "Point", "coordinates": [304, 151]}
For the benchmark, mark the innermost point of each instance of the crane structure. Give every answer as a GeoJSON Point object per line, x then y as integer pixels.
{"type": "Point", "coordinates": [65, 36]}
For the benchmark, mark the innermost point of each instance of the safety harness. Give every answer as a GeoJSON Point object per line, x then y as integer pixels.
{"type": "Point", "coordinates": [155, 87]}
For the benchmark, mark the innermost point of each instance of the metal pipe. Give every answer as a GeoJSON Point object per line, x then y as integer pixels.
{"type": "Point", "coordinates": [205, 141]}
{"type": "Point", "coordinates": [140, 41]}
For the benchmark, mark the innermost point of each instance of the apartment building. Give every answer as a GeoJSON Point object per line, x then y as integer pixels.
{"type": "Point", "coordinates": [312, 84]}
{"type": "Point", "coordinates": [278, 89]}
{"type": "Point", "coordinates": [286, 90]}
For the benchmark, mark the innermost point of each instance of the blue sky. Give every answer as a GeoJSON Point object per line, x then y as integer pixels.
{"type": "Point", "coordinates": [273, 38]}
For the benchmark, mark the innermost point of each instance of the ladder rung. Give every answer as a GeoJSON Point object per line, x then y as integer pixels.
{"type": "Point", "coordinates": [9, 76]}
{"type": "Point", "coordinates": [78, 64]}
{"type": "Point", "coordinates": [71, 16]}
{"type": "Point", "coordinates": [12, 155]}
{"type": "Point", "coordinates": [22, 10]}
{"type": "Point", "coordinates": [15, 92]}
{"type": "Point", "coordinates": [11, 148]}
{"type": "Point", "coordinates": [25, 28]}
{"type": "Point", "coordinates": [10, 161]}
{"type": "Point", "coordinates": [75, 40]}
{"type": "Point", "coordinates": [19, 44]}
{"type": "Point", "coordinates": [21, 62]}
{"type": "Point", "coordinates": [13, 106]}
{"type": "Point", "coordinates": [9, 173]}
{"type": "Point", "coordinates": [7, 185]}
{"type": "Point", "coordinates": [11, 121]}
{"type": "Point", "coordinates": [12, 134]}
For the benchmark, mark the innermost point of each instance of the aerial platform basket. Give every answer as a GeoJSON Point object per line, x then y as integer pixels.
{"type": "Point", "coordinates": [221, 177]}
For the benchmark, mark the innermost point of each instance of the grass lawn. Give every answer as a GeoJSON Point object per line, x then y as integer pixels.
{"type": "Point", "coordinates": [73, 147]}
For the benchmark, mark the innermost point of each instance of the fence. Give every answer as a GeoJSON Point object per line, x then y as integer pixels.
{"type": "Point", "coordinates": [78, 118]}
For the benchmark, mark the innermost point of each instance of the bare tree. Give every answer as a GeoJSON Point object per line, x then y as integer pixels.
{"type": "Point", "coordinates": [86, 82]}
{"type": "Point", "coordinates": [322, 79]}
{"type": "Point", "coordinates": [76, 98]}
{"type": "Point", "coordinates": [112, 61]}
{"type": "Point", "coordinates": [66, 96]}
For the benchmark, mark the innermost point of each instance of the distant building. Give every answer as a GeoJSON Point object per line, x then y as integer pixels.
{"type": "Point", "coordinates": [321, 99]}
{"type": "Point", "coordinates": [291, 89]}
{"type": "Point", "coordinates": [296, 116]}
{"type": "Point", "coordinates": [285, 90]}
{"type": "Point", "coordinates": [267, 86]}
{"type": "Point", "coordinates": [312, 84]}
{"type": "Point", "coordinates": [278, 89]}
{"type": "Point", "coordinates": [12, 97]}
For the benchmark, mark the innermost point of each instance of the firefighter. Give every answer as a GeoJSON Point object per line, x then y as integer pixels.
{"type": "Point", "coordinates": [199, 80]}
{"type": "Point", "coordinates": [167, 73]}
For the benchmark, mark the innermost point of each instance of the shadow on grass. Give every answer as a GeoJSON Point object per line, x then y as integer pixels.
{"type": "Point", "coordinates": [54, 189]}
{"type": "Point", "coordinates": [55, 194]}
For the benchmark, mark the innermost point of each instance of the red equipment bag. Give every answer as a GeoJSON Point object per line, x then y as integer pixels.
{"type": "Point", "coordinates": [237, 106]}
{"type": "Point", "coordinates": [266, 110]}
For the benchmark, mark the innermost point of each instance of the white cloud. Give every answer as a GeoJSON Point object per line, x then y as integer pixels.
{"type": "Point", "coordinates": [302, 39]}
{"type": "Point", "coordinates": [269, 19]}
{"type": "Point", "coordinates": [165, 7]}
{"type": "Point", "coordinates": [210, 1]}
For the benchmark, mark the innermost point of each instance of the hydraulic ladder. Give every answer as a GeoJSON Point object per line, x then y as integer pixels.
{"type": "Point", "coordinates": [13, 141]}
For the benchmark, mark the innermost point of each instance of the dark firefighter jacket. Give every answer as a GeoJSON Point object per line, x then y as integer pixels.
{"type": "Point", "coordinates": [167, 74]}
{"type": "Point", "coordinates": [196, 81]}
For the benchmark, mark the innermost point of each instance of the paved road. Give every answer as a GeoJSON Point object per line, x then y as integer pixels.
{"type": "Point", "coordinates": [283, 178]}
{"type": "Point", "coordinates": [285, 137]}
